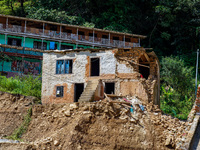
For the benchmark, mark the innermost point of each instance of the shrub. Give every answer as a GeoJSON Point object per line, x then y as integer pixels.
{"type": "Point", "coordinates": [177, 88]}
{"type": "Point", "coordinates": [28, 85]}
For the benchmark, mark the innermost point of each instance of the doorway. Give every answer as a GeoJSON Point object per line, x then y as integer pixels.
{"type": "Point", "coordinates": [78, 90]}
{"type": "Point", "coordinates": [94, 70]}
{"type": "Point", "coordinates": [110, 88]}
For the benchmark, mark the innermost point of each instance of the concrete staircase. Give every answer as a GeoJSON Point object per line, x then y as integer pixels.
{"type": "Point", "coordinates": [88, 93]}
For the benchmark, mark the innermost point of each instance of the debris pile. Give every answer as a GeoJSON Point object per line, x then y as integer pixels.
{"type": "Point", "coordinates": [172, 131]}
{"type": "Point", "coordinates": [116, 122]}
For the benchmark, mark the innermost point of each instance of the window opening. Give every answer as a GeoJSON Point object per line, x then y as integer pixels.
{"type": "Point", "coordinates": [109, 88]}
{"type": "Point", "coordinates": [81, 33]}
{"type": "Point", "coordinates": [78, 90]}
{"type": "Point", "coordinates": [105, 36]}
{"type": "Point", "coordinates": [38, 45]}
{"type": "Point", "coordinates": [144, 71]}
{"type": "Point", "coordinates": [59, 91]}
{"type": "Point", "coordinates": [94, 66]}
{"type": "Point", "coordinates": [127, 40]}
{"type": "Point", "coordinates": [64, 66]}
{"type": "Point", "coordinates": [69, 31]}
{"type": "Point", "coordinates": [115, 38]}
{"type": "Point", "coordinates": [126, 50]}
{"type": "Point", "coordinates": [14, 41]}
{"type": "Point", "coordinates": [66, 47]}
{"type": "Point", "coordinates": [53, 27]}
{"type": "Point", "coordinates": [91, 34]}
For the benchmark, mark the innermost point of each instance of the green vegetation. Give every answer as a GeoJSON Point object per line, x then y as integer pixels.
{"type": "Point", "coordinates": [28, 85]}
{"type": "Point", "coordinates": [23, 127]}
{"type": "Point", "coordinates": [177, 88]}
{"type": "Point", "coordinates": [172, 28]}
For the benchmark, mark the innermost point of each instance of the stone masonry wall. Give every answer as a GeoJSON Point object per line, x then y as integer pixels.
{"type": "Point", "coordinates": [126, 79]}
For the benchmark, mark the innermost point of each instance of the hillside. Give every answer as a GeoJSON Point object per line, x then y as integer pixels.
{"type": "Point", "coordinates": [98, 125]}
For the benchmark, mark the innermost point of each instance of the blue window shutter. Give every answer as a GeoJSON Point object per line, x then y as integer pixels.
{"type": "Point", "coordinates": [67, 66]}
{"type": "Point", "coordinates": [57, 67]}
{"type": "Point", "coordinates": [60, 67]}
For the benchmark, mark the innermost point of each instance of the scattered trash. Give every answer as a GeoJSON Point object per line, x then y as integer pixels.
{"type": "Point", "coordinates": [131, 109]}
{"type": "Point", "coordinates": [141, 107]}
{"type": "Point", "coordinates": [8, 141]}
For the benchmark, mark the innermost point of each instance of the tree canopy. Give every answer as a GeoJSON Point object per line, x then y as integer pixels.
{"type": "Point", "coordinates": [172, 26]}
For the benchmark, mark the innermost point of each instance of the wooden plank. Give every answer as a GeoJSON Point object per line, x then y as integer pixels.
{"type": "Point", "coordinates": [120, 102]}
{"type": "Point", "coordinates": [114, 96]}
{"type": "Point", "coordinates": [138, 64]}
{"type": "Point", "coordinates": [147, 57]}
{"type": "Point", "coordinates": [108, 98]}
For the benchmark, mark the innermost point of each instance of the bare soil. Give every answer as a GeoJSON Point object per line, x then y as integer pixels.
{"type": "Point", "coordinates": [97, 126]}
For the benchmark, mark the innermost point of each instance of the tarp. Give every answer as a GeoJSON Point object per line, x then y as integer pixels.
{"type": "Point", "coordinates": [52, 45]}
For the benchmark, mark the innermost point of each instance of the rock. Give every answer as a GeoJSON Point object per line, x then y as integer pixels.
{"type": "Point", "coordinates": [55, 114]}
{"type": "Point", "coordinates": [73, 106]}
{"type": "Point", "coordinates": [123, 117]}
{"type": "Point", "coordinates": [67, 113]}
{"type": "Point", "coordinates": [87, 112]}
{"type": "Point", "coordinates": [79, 147]}
{"type": "Point", "coordinates": [168, 141]}
{"type": "Point", "coordinates": [85, 108]}
{"type": "Point", "coordinates": [133, 120]}
{"type": "Point", "coordinates": [43, 114]}
{"type": "Point", "coordinates": [56, 143]}
{"type": "Point", "coordinates": [156, 114]}
{"type": "Point", "coordinates": [131, 128]}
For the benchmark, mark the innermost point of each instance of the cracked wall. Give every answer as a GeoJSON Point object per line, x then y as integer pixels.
{"type": "Point", "coordinates": [114, 68]}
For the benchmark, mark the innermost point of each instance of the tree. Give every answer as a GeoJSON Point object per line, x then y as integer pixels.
{"type": "Point", "coordinates": [175, 74]}
{"type": "Point", "coordinates": [177, 88]}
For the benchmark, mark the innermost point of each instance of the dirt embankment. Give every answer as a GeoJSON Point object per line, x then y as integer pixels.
{"type": "Point", "coordinates": [98, 126]}
{"type": "Point", "coordinates": [12, 111]}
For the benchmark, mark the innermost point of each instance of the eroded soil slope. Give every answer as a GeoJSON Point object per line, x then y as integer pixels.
{"type": "Point", "coordinates": [12, 111]}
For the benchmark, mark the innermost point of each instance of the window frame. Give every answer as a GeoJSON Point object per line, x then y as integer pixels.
{"type": "Point", "coordinates": [12, 40]}
{"type": "Point", "coordinates": [62, 91]}
{"type": "Point", "coordinates": [64, 71]}
{"type": "Point", "coordinates": [37, 45]}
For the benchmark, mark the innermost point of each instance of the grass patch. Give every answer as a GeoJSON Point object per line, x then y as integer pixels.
{"type": "Point", "coordinates": [17, 134]}
{"type": "Point", "coordinates": [28, 85]}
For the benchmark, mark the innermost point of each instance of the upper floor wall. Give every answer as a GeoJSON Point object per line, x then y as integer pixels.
{"type": "Point", "coordinates": [67, 33]}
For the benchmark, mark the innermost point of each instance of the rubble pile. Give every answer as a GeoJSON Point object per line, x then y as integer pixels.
{"type": "Point", "coordinates": [172, 131]}
{"type": "Point", "coordinates": [116, 122]}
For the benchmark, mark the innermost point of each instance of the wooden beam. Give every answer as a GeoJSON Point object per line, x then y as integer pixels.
{"type": "Point", "coordinates": [138, 64]}
{"type": "Point", "coordinates": [147, 57]}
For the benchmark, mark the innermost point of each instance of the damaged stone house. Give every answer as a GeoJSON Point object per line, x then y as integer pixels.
{"type": "Point", "coordinates": [82, 75]}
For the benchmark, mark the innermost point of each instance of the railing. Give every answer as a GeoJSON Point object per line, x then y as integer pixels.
{"type": "Point", "coordinates": [12, 50]}
{"type": "Point", "coordinates": [69, 36]}
{"type": "Point", "coordinates": [21, 50]}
